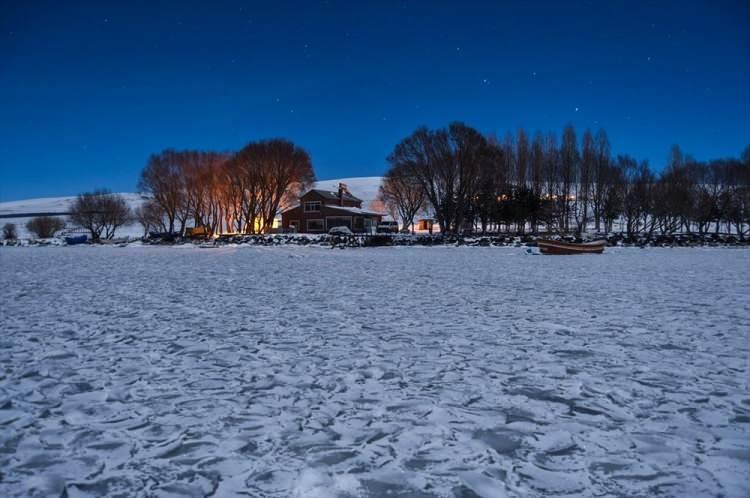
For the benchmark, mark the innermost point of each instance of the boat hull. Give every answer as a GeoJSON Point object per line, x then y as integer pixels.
{"type": "Point", "coordinates": [558, 247]}
{"type": "Point", "coordinates": [78, 239]}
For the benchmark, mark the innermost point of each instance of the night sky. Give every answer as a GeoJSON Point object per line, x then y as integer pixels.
{"type": "Point", "coordinates": [88, 91]}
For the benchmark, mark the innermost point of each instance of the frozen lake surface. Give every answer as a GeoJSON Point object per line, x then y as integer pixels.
{"type": "Point", "coordinates": [145, 371]}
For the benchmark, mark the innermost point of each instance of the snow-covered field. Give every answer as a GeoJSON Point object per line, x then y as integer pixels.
{"type": "Point", "coordinates": [243, 371]}
{"type": "Point", "coordinates": [13, 211]}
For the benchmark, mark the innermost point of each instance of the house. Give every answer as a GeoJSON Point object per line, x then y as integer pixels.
{"type": "Point", "coordinates": [320, 210]}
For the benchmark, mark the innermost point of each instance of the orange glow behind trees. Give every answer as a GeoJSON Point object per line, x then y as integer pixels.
{"type": "Point", "coordinates": [224, 192]}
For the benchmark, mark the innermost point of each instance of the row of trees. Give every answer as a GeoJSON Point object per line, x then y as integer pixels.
{"type": "Point", "coordinates": [223, 192]}
{"type": "Point", "coordinates": [466, 180]}
{"type": "Point", "coordinates": [100, 213]}
{"type": "Point", "coordinates": [210, 191]}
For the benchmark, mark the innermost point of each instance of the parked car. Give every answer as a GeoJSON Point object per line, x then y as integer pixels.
{"type": "Point", "coordinates": [340, 231]}
{"type": "Point", "coordinates": [387, 227]}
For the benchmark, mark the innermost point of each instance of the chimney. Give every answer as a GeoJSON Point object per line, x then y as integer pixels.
{"type": "Point", "coordinates": [342, 190]}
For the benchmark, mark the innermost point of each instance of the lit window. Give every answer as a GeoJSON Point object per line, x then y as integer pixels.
{"type": "Point", "coordinates": [312, 207]}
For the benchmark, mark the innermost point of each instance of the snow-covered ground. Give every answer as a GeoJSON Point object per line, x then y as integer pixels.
{"type": "Point", "coordinates": [180, 371]}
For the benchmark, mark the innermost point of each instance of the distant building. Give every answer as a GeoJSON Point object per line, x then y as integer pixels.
{"type": "Point", "coordinates": [426, 225]}
{"type": "Point", "coordinates": [321, 210]}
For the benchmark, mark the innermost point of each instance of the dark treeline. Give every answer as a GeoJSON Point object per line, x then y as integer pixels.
{"type": "Point", "coordinates": [567, 185]}
{"type": "Point", "coordinates": [223, 192]}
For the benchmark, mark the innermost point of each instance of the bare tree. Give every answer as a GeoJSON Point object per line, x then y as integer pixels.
{"type": "Point", "coordinates": [537, 174]}
{"type": "Point", "coordinates": [636, 201]}
{"type": "Point", "coordinates": [493, 184]}
{"type": "Point", "coordinates": [612, 195]}
{"type": "Point", "coordinates": [708, 186]}
{"type": "Point", "coordinates": [446, 163]}
{"type": "Point", "coordinates": [599, 176]}
{"type": "Point", "coordinates": [285, 169]}
{"type": "Point", "coordinates": [470, 151]}
{"type": "Point", "coordinates": [206, 190]}
{"type": "Point", "coordinates": [404, 194]}
{"type": "Point", "coordinates": [243, 188]}
{"type": "Point", "coordinates": [569, 159]}
{"type": "Point", "coordinates": [552, 181]}
{"type": "Point", "coordinates": [266, 174]}
{"type": "Point", "coordinates": [242, 192]}
{"type": "Point", "coordinates": [522, 158]}
{"type": "Point", "coordinates": [44, 227]}
{"type": "Point", "coordinates": [163, 179]}
{"type": "Point", "coordinates": [583, 187]}
{"type": "Point", "coordinates": [10, 232]}
{"type": "Point", "coordinates": [101, 213]}
{"type": "Point", "coordinates": [380, 206]}
{"type": "Point", "coordinates": [680, 188]}
{"type": "Point", "coordinates": [151, 217]}
{"type": "Point", "coordinates": [510, 183]}
{"type": "Point", "coordinates": [544, 183]}
{"type": "Point", "coordinates": [425, 156]}
{"type": "Point", "coordinates": [736, 205]}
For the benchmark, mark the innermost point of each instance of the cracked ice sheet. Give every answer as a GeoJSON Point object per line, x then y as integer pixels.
{"type": "Point", "coordinates": [151, 371]}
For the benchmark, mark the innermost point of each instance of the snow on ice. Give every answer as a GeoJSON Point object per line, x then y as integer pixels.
{"type": "Point", "coordinates": [152, 371]}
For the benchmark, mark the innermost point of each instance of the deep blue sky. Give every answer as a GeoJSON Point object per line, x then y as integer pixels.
{"type": "Point", "coordinates": [88, 90]}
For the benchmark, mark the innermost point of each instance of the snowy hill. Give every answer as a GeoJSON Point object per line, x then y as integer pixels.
{"type": "Point", "coordinates": [57, 205]}
{"type": "Point", "coordinates": [20, 212]}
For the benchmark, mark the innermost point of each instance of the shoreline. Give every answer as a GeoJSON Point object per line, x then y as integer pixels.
{"type": "Point", "coordinates": [402, 240]}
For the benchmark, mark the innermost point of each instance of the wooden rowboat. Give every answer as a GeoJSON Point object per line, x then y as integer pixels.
{"type": "Point", "coordinates": [74, 240]}
{"type": "Point", "coordinates": [560, 247]}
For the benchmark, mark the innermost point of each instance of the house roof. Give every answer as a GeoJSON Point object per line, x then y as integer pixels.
{"type": "Point", "coordinates": [347, 209]}
{"type": "Point", "coordinates": [334, 196]}
{"type": "Point", "coordinates": [353, 210]}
